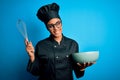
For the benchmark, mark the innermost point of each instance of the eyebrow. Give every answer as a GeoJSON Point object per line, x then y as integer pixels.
{"type": "Point", "coordinates": [53, 23]}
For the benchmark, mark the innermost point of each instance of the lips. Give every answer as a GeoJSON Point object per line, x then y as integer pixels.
{"type": "Point", "coordinates": [56, 31]}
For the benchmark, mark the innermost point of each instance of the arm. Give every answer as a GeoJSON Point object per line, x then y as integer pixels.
{"type": "Point", "coordinates": [30, 50]}
{"type": "Point", "coordinates": [33, 64]}
{"type": "Point", "coordinates": [78, 71]}
{"type": "Point", "coordinates": [34, 67]}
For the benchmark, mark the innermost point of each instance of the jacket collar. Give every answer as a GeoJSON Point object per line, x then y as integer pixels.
{"type": "Point", "coordinates": [55, 42]}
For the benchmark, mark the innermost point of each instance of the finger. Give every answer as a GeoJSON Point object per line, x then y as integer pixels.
{"type": "Point", "coordinates": [89, 64]}
{"type": "Point", "coordinates": [29, 48]}
{"type": "Point", "coordinates": [82, 69]}
{"type": "Point", "coordinates": [29, 43]}
{"type": "Point", "coordinates": [26, 42]}
{"type": "Point", "coordinates": [79, 64]}
{"type": "Point", "coordinates": [93, 62]}
{"type": "Point", "coordinates": [32, 51]}
{"type": "Point", "coordinates": [84, 64]}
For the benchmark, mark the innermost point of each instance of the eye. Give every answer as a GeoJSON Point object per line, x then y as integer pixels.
{"type": "Point", "coordinates": [57, 23]}
{"type": "Point", "coordinates": [50, 26]}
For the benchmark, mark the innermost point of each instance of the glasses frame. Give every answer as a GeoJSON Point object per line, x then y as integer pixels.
{"type": "Point", "coordinates": [57, 25]}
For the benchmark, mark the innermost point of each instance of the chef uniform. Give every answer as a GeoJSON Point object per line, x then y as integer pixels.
{"type": "Point", "coordinates": [52, 60]}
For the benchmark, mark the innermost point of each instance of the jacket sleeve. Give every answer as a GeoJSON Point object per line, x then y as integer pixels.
{"type": "Point", "coordinates": [77, 71]}
{"type": "Point", "coordinates": [76, 68]}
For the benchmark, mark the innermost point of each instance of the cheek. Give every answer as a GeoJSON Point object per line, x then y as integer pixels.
{"type": "Point", "coordinates": [61, 29]}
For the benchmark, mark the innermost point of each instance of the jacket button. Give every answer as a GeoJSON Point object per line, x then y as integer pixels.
{"type": "Point", "coordinates": [57, 57]}
{"type": "Point", "coordinates": [67, 56]}
{"type": "Point", "coordinates": [55, 46]}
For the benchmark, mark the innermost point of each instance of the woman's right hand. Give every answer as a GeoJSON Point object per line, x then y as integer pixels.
{"type": "Point", "coordinates": [30, 50]}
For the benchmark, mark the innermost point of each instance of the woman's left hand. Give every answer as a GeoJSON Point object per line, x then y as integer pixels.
{"type": "Point", "coordinates": [84, 65]}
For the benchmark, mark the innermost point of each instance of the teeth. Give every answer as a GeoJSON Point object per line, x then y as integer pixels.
{"type": "Point", "coordinates": [56, 32]}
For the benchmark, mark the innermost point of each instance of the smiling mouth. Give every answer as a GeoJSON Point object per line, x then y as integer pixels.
{"type": "Point", "coordinates": [56, 31]}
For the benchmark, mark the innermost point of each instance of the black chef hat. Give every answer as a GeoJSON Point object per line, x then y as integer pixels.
{"type": "Point", "coordinates": [47, 12]}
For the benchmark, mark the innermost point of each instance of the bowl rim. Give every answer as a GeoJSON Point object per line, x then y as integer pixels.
{"type": "Point", "coordinates": [87, 52]}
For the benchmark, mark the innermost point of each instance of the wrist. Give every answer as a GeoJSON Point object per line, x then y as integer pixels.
{"type": "Point", "coordinates": [32, 58]}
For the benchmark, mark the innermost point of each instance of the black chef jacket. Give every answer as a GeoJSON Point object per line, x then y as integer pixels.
{"type": "Point", "coordinates": [53, 60]}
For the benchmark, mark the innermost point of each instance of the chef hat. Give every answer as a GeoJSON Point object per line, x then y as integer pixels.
{"type": "Point", "coordinates": [47, 12]}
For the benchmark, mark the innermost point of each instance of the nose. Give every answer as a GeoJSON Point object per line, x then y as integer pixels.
{"type": "Point", "coordinates": [55, 27]}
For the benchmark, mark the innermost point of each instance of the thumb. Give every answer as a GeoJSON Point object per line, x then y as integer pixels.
{"type": "Point", "coordinates": [26, 42]}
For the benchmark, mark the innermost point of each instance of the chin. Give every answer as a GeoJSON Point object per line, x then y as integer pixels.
{"type": "Point", "coordinates": [57, 35]}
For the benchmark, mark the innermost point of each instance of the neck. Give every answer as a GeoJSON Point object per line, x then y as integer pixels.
{"type": "Point", "coordinates": [58, 39]}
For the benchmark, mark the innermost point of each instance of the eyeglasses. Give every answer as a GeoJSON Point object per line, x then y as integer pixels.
{"type": "Point", "coordinates": [57, 24]}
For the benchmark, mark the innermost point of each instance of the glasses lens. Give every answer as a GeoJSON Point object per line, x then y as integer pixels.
{"type": "Point", "coordinates": [57, 24]}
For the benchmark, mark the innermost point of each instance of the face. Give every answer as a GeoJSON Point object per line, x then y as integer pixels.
{"type": "Point", "coordinates": [55, 27]}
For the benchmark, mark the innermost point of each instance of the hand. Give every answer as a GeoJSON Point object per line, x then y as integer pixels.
{"type": "Point", "coordinates": [30, 50]}
{"type": "Point", "coordinates": [84, 65]}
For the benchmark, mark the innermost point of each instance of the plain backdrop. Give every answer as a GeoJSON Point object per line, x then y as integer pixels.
{"type": "Point", "coordinates": [94, 24]}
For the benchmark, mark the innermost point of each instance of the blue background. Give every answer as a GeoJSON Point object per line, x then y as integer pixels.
{"type": "Point", "coordinates": [94, 24]}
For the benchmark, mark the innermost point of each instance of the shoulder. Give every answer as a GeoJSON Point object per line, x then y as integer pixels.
{"type": "Point", "coordinates": [70, 40]}
{"type": "Point", "coordinates": [43, 42]}
{"type": "Point", "coordinates": [72, 44]}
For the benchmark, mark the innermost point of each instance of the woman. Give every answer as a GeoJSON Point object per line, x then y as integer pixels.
{"type": "Point", "coordinates": [52, 60]}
